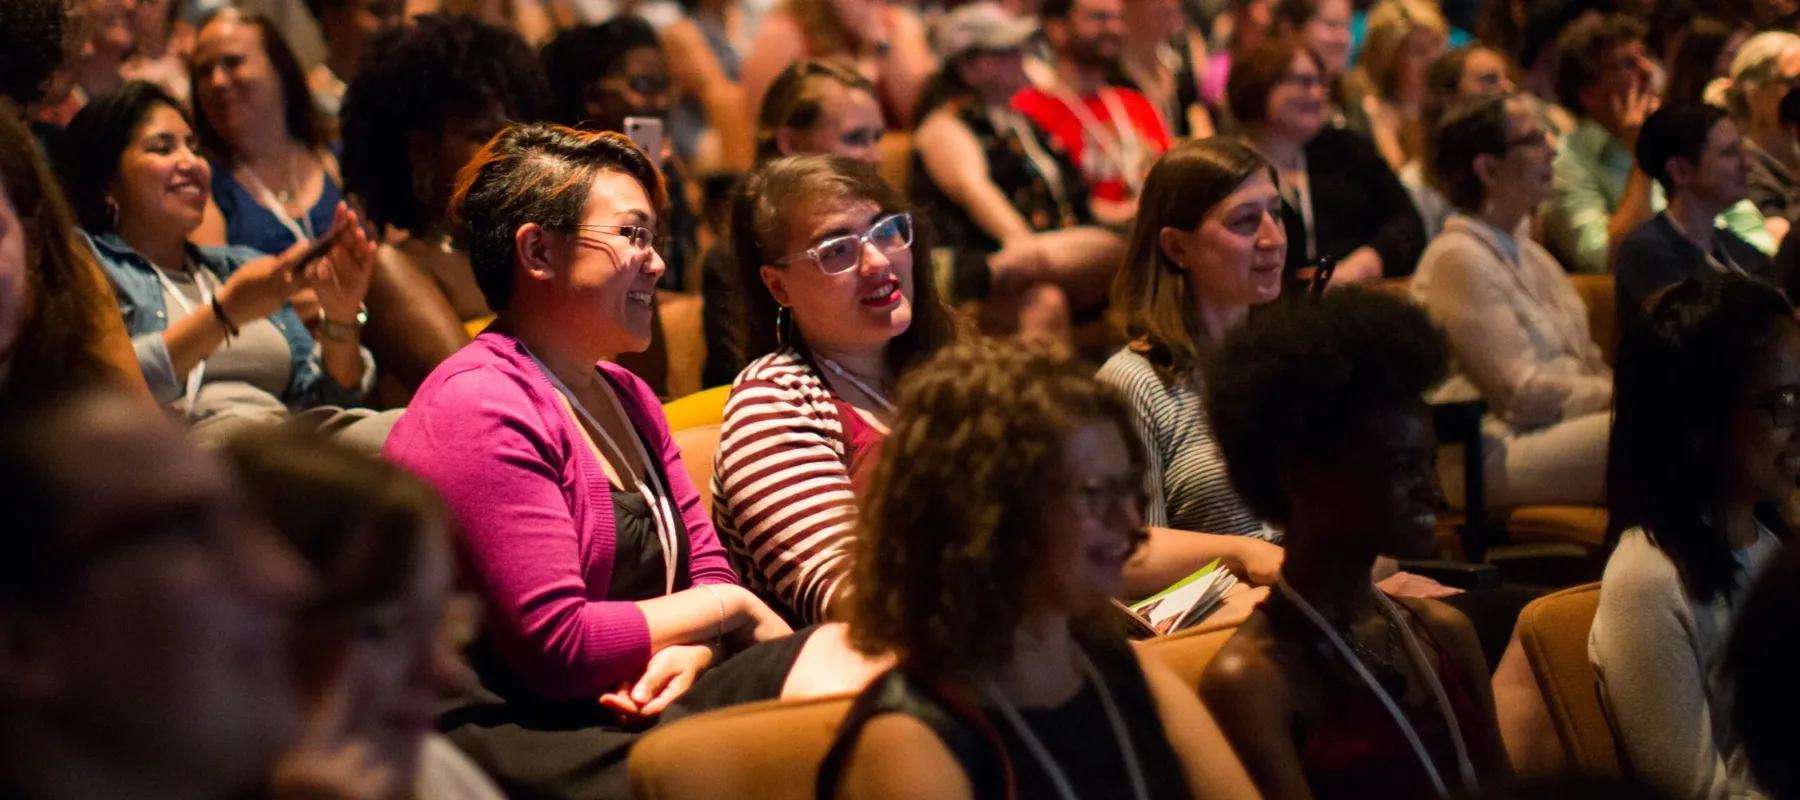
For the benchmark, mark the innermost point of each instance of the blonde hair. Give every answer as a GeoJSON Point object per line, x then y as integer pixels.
{"type": "Point", "coordinates": [1389, 25]}
{"type": "Point", "coordinates": [1754, 67]}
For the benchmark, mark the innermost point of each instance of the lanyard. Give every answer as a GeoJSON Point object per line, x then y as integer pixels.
{"type": "Point", "coordinates": [1121, 734]}
{"type": "Point", "coordinates": [1121, 145]}
{"type": "Point", "coordinates": [1039, 159]}
{"type": "Point", "coordinates": [198, 373]}
{"type": "Point", "coordinates": [301, 229]}
{"type": "Point", "coordinates": [1729, 265]}
{"type": "Point", "coordinates": [1417, 654]}
{"type": "Point", "coordinates": [1302, 202]}
{"type": "Point", "coordinates": [857, 382]}
{"type": "Point", "coordinates": [646, 486]}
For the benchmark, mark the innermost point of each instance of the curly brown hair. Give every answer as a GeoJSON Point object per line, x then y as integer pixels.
{"type": "Point", "coordinates": [952, 528]}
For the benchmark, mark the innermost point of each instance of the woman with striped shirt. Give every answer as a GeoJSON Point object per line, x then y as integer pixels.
{"type": "Point", "coordinates": [1209, 244]}
{"type": "Point", "coordinates": [826, 253]}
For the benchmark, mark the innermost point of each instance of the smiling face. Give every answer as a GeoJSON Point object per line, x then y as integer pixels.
{"type": "Point", "coordinates": [1379, 483]}
{"type": "Point", "coordinates": [859, 309]}
{"type": "Point", "coordinates": [849, 124]}
{"type": "Point", "coordinates": [1763, 457]}
{"type": "Point", "coordinates": [235, 84]}
{"type": "Point", "coordinates": [606, 284]}
{"type": "Point", "coordinates": [1092, 523]}
{"type": "Point", "coordinates": [183, 583]}
{"type": "Point", "coordinates": [1328, 35]}
{"type": "Point", "coordinates": [163, 183]}
{"type": "Point", "coordinates": [1234, 258]}
{"type": "Point", "coordinates": [1297, 104]}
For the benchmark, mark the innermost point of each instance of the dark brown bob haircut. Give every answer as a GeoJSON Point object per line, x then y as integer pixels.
{"type": "Point", "coordinates": [954, 521]}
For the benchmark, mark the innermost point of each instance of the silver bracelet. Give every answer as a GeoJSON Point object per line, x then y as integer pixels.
{"type": "Point", "coordinates": [721, 601]}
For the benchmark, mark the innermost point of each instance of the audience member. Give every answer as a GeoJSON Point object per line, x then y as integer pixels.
{"type": "Point", "coordinates": [213, 329]}
{"type": "Point", "coordinates": [1404, 38]}
{"type": "Point", "coordinates": [349, 28]}
{"type": "Point", "coordinates": [369, 655]}
{"type": "Point", "coordinates": [819, 107]}
{"type": "Point", "coordinates": [601, 574]}
{"type": "Point", "coordinates": [962, 517]}
{"type": "Point", "coordinates": [1759, 661]}
{"type": "Point", "coordinates": [1696, 155]}
{"type": "Point", "coordinates": [143, 607]}
{"type": "Point", "coordinates": [1702, 59]}
{"type": "Point", "coordinates": [1703, 452]}
{"type": "Point", "coordinates": [156, 55]}
{"type": "Point", "coordinates": [1762, 76]}
{"type": "Point", "coordinates": [273, 180]}
{"type": "Point", "coordinates": [705, 52]}
{"type": "Point", "coordinates": [1001, 194]}
{"type": "Point", "coordinates": [1517, 328]}
{"type": "Point", "coordinates": [106, 38]}
{"type": "Point", "coordinates": [1245, 24]}
{"type": "Point", "coordinates": [1456, 77]}
{"type": "Point", "coordinates": [1603, 75]}
{"type": "Point", "coordinates": [814, 107]}
{"type": "Point", "coordinates": [59, 326]}
{"type": "Point", "coordinates": [1364, 221]}
{"type": "Point", "coordinates": [1324, 25]}
{"type": "Point", "coordinates": [1332, 689]}
{"type": "Point", "coordinates": [601, 76]}
{"type": "Point", "coordinates": [883, 42]}
{"type": "Point", "coordinates": [1163, 59]}
{"type": "Point", "coordinates": [836, 313]}
{"type": "Point", "coordinates": [31, 47]}
{"type": "Point", "coordinates": [428, 96]}
{"type": "Point", "coordinates": [1209, 245]}
{"type": "Point", "coordinates": [1113, 134]}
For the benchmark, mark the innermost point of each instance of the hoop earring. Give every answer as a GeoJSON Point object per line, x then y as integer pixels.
{"type": "Point", "coordinates": [112, 213]}
{"type": "Point", "coordinates": [784, 325]}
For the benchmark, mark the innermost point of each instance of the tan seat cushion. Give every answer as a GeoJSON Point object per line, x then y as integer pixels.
{"type": "Point", "coordinates": [697, 446]}
{"type": "Point", "coordinates": [761, 751]}
{"type": "Point", "coordinates": [1553, 630]}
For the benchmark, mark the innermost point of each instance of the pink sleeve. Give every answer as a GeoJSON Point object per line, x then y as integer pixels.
{"type": "Point", "coordinates": [707, 562]}
{"type": "Point", "coordinates": [483, 443]}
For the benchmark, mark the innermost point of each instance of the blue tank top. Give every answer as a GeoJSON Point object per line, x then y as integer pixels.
{"type": "Point", "coordinates": [250, 224]}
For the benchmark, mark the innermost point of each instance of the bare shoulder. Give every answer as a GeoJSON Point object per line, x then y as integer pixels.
{"type": "Point", "coordinates": [1246, 670]}
{"type": "Point", "coordinates": [898, 758]}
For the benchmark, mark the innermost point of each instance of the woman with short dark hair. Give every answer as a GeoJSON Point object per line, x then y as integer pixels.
{"type": "Point", "coordinates": [1705, 450]}
{"type": "Point", "coordinates": [607, 589]}
{"type": "Point", "coordinates": [1515, 322]}
{"type": "Point", "coordinates": [1332, 688]}
{"type": "Point", "coordinates": [1341, 201]}
{"type": "Point", "coordinates": [1011, 485]}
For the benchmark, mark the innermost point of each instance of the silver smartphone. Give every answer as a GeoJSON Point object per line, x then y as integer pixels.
{"type": "Point", "coordinates": [647, 133]}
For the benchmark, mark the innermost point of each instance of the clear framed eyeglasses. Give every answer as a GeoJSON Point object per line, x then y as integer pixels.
{"type": "Point", "coordinates": [841, 254]}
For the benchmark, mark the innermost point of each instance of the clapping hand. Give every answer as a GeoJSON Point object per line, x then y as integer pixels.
{"type": "Point", "coordinates": [341, 278]}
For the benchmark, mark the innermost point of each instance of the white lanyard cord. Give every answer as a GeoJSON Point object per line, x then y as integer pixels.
{"type": "Point", "coordinates": [863, 387]}
{"type": "Point", "coordinates": [1417, 654]}
{"type": "Point", "coordinates": [661, 513]}
{"type": "Point", "coordinates": [198, 373]}
{"type": "Point", "coordinates": [1122, 734]}
{"type": "Point", "coordinates": [1040, 159]}
{"type": "Point", "coordinates": [301, 229]}
{"type": "Point", "coordinates": [1729, 265]}
{"type": "Point", "coordinates": [1122, 147]}
{"type": "Point", "coordinates": [1303, 203]}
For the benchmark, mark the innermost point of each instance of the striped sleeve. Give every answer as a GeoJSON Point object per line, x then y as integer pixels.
{"type": "Point", "coordinates": [1121, 372]}
{"type": "Point", "coordinates": [783, 496]}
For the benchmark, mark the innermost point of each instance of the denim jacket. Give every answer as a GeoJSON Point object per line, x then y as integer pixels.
{"type": "Point", "coordinates": [140, 295]}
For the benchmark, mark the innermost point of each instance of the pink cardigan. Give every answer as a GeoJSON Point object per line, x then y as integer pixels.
{"type": "Point", "coordinates": [535, 513]}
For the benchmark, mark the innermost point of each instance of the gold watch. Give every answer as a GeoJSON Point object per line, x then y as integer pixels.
{"type": "Point", "coordinates": [343, 331]}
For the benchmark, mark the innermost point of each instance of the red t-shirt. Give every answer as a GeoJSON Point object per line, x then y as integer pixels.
{"type": "Point", "coordinates": [1103, 174]}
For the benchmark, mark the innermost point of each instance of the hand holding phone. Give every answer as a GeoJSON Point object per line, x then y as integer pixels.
{"type": "Point", "coordinates": [647, 134]}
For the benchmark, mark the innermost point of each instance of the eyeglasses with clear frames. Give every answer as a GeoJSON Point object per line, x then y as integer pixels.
{"type": "Point", "coordinates": [642, 238]}
{"type": "Point", "coordinates": [841, 254]}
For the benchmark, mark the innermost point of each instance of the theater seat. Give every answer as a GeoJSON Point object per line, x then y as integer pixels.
{"type": "Point", "coordinates": [1189, 651]}
{"type": "Point", "coordinates": [698, 409]}
{"type": "Point", "coordinates": [761, 751]}
{"type": "Point", "coordinates": [1553, 630]}
{"type": "Point", "coordinates": [697, 446]}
